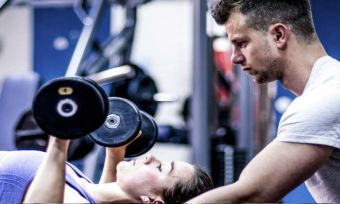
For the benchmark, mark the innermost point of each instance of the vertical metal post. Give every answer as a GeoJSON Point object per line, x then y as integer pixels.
{"type": "Point", "coordinates": [264, 118]}
{"type": "Point", "coordinates": [202, 89]}
{"type": "Point", "coordinates": [246, 126]}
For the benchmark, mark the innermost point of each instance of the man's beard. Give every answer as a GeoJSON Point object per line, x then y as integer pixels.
{"type": "Point", "coordinates": [272, 72]}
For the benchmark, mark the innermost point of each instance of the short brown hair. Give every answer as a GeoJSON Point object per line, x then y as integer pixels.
{"type": "Point", "coordinates": [263, 13]}
{"type": "Point", "coordinates": [185, 190]}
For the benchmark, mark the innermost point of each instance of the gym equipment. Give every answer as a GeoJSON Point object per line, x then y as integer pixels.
{"type": "Point", "coordinates": [122, 125]}
{"type": "Point", "coordinates": [147, 140]}
{"type": "Point", "coordinates": [90, 55]}
{"type": "Point", "coordinates": [70, 107]}
{"type": "Point", "coordinates": [73, 106]}
{"type": "Point", "coordinates": [140, 89]}
{"type": "Point", "coordinates": [3, 4]}
{"type": "Point", "coordinates": [29, 136]}
{"type": "Point", "coordinates": [17, 93]}
{"type": "Point", "coordinates": [116, 50]}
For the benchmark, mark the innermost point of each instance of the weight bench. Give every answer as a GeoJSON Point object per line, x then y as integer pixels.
{"type": "Point", "coordinates": [16, 97]}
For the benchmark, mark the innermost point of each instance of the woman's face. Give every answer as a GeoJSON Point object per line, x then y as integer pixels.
{"type": "Point", "coordinates": [149, 176]}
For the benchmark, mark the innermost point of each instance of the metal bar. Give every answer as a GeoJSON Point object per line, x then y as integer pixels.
{"type": "Point", "coordinates": [112, 74]}
{"type": "Point", "coordinates": [118, 46]}
{"type": "Point", "coordinates": [246, 126]}
{"type": "Point", "coordinates": [85, 39]}
{"type": "Point", "coordinates": [264, 118]}
{"type": "Point", "coordinates": [200, 110]}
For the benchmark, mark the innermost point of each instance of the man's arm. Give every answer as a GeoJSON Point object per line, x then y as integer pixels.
{"type": "Point", "coordinates": [49, 183]}
{"type": "Point", "coordinates": [273, 173]}
{"type": "Point", "coordinates": [113, 156]}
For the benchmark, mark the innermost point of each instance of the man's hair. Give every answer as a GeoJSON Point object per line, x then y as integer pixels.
{"type": "Point", "coordinates": [184, 190]}
{"type": "Point", "coordinates": [263, 13]}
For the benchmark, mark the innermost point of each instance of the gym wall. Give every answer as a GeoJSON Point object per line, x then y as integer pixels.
{"type": "Point", "coordinates": [15, 41]}
{"type": "Point", "coordinates": [163, 45]}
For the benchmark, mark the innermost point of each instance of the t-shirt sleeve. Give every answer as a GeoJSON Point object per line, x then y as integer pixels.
{"type": "Point", "coordinates": [313, 118]}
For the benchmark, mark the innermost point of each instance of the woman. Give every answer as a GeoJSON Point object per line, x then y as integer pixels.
{"type": "Point", "coordinates": [38, 177]}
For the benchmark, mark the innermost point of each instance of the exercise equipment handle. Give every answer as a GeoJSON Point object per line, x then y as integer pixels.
{"type": "Point", "coordinates": [109, 75]}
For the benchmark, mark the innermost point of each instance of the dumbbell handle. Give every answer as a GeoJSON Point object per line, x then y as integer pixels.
{"type": "Point", "coordinates": [109, 75]}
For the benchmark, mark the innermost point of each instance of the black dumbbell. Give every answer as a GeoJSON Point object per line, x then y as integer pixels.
{"type": "Point", "coordinates": [122, 125]}
{"type": "Point", "coordinates": [70, 107]}
{"type": "Point", "coordinates": [148, 138]}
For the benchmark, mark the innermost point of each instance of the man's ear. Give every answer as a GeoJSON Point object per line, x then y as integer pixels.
{"type": "Point", "coordinates": [151, 200]}
{"type": "Point", "coordinates": [280, 33]}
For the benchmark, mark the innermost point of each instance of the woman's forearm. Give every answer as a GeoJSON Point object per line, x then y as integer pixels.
{"type": "Point", "coordinates": [112, 158]}
{"type": "Point", "coordinates": [49, 183]}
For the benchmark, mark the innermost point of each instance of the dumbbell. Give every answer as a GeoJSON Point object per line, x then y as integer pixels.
{"type": "Point", "coordinates": [122, 125]}
{"type": "Point", "coordinates": [72, 107]}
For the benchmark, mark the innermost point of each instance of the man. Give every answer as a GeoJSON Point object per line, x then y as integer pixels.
{"type": "Point", "coordinates": [276, 40]}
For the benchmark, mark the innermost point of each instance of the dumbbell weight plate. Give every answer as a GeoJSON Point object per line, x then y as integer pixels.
{"type": "Point", "coordinates": [102, 92]}
{"type": "Point", "coordinates": [148, 138]}
{"type": "Point", "coordinates": [69, 107]}
{"type": "Point", "coordinates": [121, 125]}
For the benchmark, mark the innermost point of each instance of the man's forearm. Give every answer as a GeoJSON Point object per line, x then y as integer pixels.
{"type": "Point", "coordinates": [271, 174]}
{"type": "Point", "coordinates": [234, 193]}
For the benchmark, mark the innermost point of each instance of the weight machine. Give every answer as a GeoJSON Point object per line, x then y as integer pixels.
{"type": "Point", "coordinates": [94, 60]}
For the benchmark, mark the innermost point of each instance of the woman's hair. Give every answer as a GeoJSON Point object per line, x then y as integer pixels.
{"type": "Point", "coordinates": [263, 13]}
{"type": "Point", "coordinates": [184, 190]}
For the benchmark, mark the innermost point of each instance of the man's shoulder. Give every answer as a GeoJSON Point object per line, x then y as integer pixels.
{"type": "Point", "coordinates": [321, 102]}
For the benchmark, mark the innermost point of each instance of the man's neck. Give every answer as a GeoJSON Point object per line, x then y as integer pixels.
{"type": "Point", "coordinates": [301, 60]}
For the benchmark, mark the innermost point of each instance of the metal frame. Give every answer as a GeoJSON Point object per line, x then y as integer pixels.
{"type": "Point", "coordinates": [86, 39]}
{"type": "Point", "coordinates": [119, 45]}
{"type": "Point", "coordinates": [202, 98]}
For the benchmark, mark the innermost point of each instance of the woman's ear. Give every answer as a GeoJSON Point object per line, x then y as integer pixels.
{"type": "Point", "coordinates": [150, 200]}
{"type": "Point", "coordinates": [280, 34]}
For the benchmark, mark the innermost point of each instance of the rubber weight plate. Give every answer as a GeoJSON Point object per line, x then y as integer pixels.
{"type": "Point", "coordinates": [69, 107]}
{"type": "Point", "coordinates": [102, 92]}
{"type": "Point", "coordinates": [148, 138]}
{"type": "Point", "coordinates": [121, 125]}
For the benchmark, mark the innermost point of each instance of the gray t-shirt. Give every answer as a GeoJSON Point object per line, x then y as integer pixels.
{"type": "Point", "coordinates": [314, 118]}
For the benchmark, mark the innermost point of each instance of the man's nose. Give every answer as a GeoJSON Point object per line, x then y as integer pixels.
{"type": "Point", "coordinates": [237, 57]}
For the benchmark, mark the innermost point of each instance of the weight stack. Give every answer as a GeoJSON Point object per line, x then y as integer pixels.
{"type": "Point", "coordinates": [227, 165]}
{"type": "Point", "coordinates": [240, 161]}
{"type": "Point", "coordinates": [223, 165]}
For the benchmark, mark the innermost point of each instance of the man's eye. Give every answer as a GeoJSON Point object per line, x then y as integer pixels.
{"type": "Point", "coordinates": [240, 44]}
{"type": "Point", "coordinates": [159, 167]}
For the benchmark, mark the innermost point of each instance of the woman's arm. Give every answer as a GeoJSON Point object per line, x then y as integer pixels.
{"type": "Point", "coordinates": [49, 183]}
{"type": "Point", "coordinates": [113, 156]}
